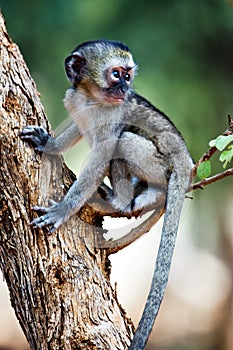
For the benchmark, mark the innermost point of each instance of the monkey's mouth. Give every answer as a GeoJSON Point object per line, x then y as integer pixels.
{"type": "Point", "coordinates": [114, 96]}
{"type": "Point", "coordinates": [115, 99]}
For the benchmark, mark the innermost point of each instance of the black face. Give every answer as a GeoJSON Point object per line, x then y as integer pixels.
{"type": "Point", "coordinates": [119, 80]}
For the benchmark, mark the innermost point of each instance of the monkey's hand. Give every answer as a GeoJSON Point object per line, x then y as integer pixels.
{"type": "Point", "coordinates": [37, 136]}
{"type": "Point", "coordinates": [54, 216]}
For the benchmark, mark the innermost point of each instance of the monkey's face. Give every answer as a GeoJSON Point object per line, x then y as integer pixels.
{"type": "Point", "coordinates": [103, 71]}
{"type": "Point", "coordinates": [110, 86]}
{"type": "Point", "coordinates": [118, 80]}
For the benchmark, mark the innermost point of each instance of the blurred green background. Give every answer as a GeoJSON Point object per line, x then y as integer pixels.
{"type": "Point", "coordinates": [184, 50]}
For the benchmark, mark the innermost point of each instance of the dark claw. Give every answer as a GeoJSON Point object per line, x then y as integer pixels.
{"type": "Point", "coordinates": [51, 230]}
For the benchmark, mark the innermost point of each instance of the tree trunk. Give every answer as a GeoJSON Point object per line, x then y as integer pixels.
{"type": "Point", "coordinates": [59, 284]}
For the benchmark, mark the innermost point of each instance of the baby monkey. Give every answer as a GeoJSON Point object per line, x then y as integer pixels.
{"type": "Point", "coordinates": [131, 142]}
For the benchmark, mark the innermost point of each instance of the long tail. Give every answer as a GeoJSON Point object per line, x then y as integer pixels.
{"type": "Point", "coordinates": [176, 194]}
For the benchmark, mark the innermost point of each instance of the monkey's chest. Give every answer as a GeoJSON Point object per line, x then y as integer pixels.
{"type": "Point", "coordinates": [99, 126]}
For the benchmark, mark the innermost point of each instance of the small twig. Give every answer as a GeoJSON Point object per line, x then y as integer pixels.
{"type": "Point", "coordinates": [201, 184]}
{"type": "Point", "coordinates": [230, 123]}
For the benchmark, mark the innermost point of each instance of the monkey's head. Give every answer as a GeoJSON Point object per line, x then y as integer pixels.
{"type": "Point", "coordinates": [102, 70]}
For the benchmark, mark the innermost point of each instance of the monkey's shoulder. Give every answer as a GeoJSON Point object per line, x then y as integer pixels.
{"type": "Point", "coordinates": [145, 115]}
{"type": "Point", "coordinates": [139, 100]}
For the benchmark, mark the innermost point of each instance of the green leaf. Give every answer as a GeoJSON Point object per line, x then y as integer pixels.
{"type": "Point", "coordinates": [204, 170]}
{"type": "Point", "coordinates": [212, 143]}
{"type": "Point", "coordinates": [226, 156]}
{"type": "Point", "coordinates": [221, 142]}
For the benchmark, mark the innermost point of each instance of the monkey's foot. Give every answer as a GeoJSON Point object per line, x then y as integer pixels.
{"type": "Point", "coordinates": [54, 216]}
{"type": "Point", "coordinates": [35, 135]}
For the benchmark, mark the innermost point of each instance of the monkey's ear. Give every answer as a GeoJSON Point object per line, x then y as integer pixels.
{"type": "Point", "coordinates": [74, 65]}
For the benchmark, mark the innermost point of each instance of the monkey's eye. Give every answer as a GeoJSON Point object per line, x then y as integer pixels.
{"type": "Point", "coordinates": [116, 74]}
{"type": "Point", "coordinates": [127, 77]}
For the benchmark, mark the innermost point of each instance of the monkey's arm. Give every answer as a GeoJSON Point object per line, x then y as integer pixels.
{"type": "Point", "coordinates": [43, 142]}
{"type": "Point", "coordinates": [81, 190]}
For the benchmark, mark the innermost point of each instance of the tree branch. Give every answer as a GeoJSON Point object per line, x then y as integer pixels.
{"type": "Point", "coordinates": [205, 182]}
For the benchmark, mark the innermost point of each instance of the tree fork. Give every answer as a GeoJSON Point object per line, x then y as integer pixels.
{"type": "Point", "coordinates": [59, 284]}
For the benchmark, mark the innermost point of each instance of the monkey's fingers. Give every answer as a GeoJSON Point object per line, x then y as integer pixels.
{"type": "Point", "coordinates": [41, 221]}
{"type": "Point", "coordinates": [34, 130]}
{"type": "Point", "coordinates": [52, 206]}
{"type": "Point", "coordinates": [41, 209]}
{"type": "Point", "coordinates": [29, 138]}
{"type": "Point", "coordinates": [51, 218]}
{"type": "Point", "coordinates": [35, 135]}
{"type": "Point", "coordinates": [32, 140]}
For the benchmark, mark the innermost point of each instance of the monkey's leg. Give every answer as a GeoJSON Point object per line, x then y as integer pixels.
{"type": "Point", "coordinates": [147, 167]}
{"type": "Point", "coordinates": [113, 246]}
{"type": "Point", "coordinates": [122, 184]}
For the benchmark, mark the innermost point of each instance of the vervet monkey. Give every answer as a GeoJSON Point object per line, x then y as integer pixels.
{"type": "Point", "coordinates": [132, 142]}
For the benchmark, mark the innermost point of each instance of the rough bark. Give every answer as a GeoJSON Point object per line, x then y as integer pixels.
{"type": "Point", "coordinates": [59, 284]}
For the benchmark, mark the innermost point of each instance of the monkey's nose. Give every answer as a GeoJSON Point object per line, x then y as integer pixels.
{"type": "Point", "coordinates": [123, 87]}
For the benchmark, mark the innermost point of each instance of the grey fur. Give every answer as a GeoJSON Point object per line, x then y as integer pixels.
{"type": "Point", "coordinates": [132, 142]}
